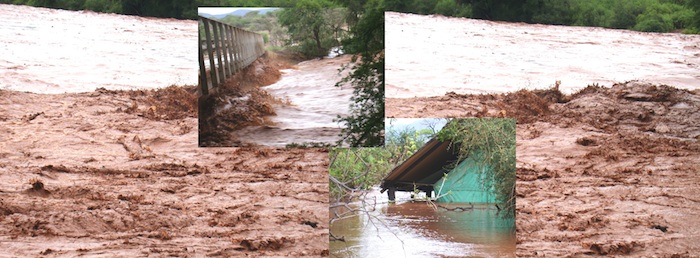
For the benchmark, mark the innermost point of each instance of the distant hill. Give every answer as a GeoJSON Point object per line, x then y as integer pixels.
{"type": "Point", "coordinates": [239, 12]}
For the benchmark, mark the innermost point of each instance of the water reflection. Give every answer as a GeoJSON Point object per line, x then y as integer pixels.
{"type": "Point", "coordinates": [414, 229]}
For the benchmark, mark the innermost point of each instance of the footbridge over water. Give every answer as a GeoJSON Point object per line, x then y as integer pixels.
{"type": "Point", "coordinates": [227, 49]}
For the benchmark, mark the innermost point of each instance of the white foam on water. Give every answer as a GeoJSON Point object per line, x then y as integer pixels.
{"type": "Point", "coordinates": [432, 55]}
{"type": "Point", "coordinates": [56, 51]}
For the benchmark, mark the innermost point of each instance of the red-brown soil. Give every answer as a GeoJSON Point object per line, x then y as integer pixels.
{"type": "Point", "coordinates": [605, 171]}
{"type": "Point", "coordinates": [238, 103]}
{"type": "Point", "coordinates": [119, 173]}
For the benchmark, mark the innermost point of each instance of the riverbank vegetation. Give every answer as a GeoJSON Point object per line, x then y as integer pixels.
{"type": "Point", "coordinates": [640, 15]}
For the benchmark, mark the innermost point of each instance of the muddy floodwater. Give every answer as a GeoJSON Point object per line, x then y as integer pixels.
{"type": "Point", "coordinates": [429, 55]}
{"type": "Point", "coordinates": [312, 103]}
{"type": "Point", "coordinates": [414, 229]}
{"type": "Point", "coordinates": [56, 51]}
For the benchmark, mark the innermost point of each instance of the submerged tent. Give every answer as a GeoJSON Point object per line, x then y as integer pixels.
{"type": "Point", "coordinates": [466, 183]}
{"type": "Point", "coordinates": [425, 171]}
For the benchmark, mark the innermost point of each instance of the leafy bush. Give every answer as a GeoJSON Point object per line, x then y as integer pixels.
{"type": "Point", "coordinates": [590, 14]}
{"type": "Point", "coordinates": [446, 7]}
{"type": "Point", "coordinates": [656, 18]}
{"type": "Point", "coordinates": [626, 12]}
{"type": "Point", "coordinates": [558, 12]}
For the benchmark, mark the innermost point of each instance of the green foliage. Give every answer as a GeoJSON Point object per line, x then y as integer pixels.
{"type": "Point", "coordinates": [365, 125]}
{"type": "Point", "coordinates": [357, 169]}
{"type": "Point", "coordinates": [446, 7]}
{"type": "Point", "coordinates": [557, 12]}
{"type": "Point", "coordinates": [656, 18]}
{"type": "Point", "coordinates": [180, 9]}
{"type": "Point", "coordinates": [362, 168]}
{"type": "Point", "coordinates": [664, 17]}
{"type": "Point", "coordinates": [493, 140]}
{"type": "Point", "coordinates": [272, 31]}
{"type": "Point", "coordinates": [313, 26]}
{"type": "Point", "coordinates": [103, 6]}
{"type": "Point", "coordinates": [403, 144]}
{"type": "Point", "coordinates": [183, 9]}
{"type": "Point", "coordinates": [695, 5]}
{"type": "Point", "coordinates": [643, 15]}
{"type": "Point", "coordinates": [626, 13]}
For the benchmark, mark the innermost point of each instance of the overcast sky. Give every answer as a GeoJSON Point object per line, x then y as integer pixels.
{"type": "Point", "coordinates": [399, 124]}
{"type": "Point", "coordinates": [223, 10]}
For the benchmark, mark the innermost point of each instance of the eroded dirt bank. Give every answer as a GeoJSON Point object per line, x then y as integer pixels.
{"type": "Point", "coordinates": [119, 173]}
{"type": "Point", "coordinates": [605, 171]}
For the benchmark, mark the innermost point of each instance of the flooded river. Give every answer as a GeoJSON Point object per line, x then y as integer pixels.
{"type": "Point", "coordinates": [414, 229]}
{"type": "Point", "coordinates": [314, 102]}
{"type": "Point", "coordinates": [430, 55]}
{"type": "Point", "coordinates": [56, 51]}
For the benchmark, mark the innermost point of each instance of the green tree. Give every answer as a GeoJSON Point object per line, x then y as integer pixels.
{"type": "Point", "coordinates": [365, 125]}
{"type": "Point", "coordinates": [695, 5]}
{"type": "Point", "coordinates": [626, 13]}
{"type": "Point", "coordinates": [446, 7]}
{"type": "Point", "coordinates": [501, 10]}
{"type": "Point", "coordinates": [182, 9]}
{"type": "Point", "coordinates": [549, 11]}
{"type": "Point", "coordinates": [656, 18]}
{"type": "Point", "coordinates": [592, 14]}
{"type": "Point", "coordinates": [310, 25]}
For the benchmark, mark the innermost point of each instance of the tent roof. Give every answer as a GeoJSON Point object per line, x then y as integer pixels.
{"type": "Point", "coordinates": [425, 167]}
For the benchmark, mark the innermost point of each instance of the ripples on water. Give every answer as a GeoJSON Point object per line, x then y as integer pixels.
{"type": "Point", "coordinates": [413, 229]}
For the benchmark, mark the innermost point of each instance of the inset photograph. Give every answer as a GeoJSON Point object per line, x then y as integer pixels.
{"type": "Point", "coordinates": [438, 188]}
{"type": "Point", "coordinates": [607, 101]}
{"type": "Point", "coordinates": [291, 77]}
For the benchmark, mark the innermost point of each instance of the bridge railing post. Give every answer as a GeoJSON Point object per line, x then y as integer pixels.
{"type": "Point", "coordinates": [229, 50]}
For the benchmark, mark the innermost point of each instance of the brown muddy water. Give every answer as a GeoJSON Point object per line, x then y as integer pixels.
{"type": "Point", "coordinates": [313, 103]}
{"type": "Point", "coordinates": [430, 55]}
{"type": "Point", "coordinates": [414, 229]}
{"type": "Point", "coordinates": [56, 51]}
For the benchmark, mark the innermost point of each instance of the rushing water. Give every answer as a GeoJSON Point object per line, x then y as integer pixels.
{"type": "Point", "coordinates": [314, 103]}
{"type": "Point", "coordinates": [55, 51]}
{"type": "Point", "coordinates": [430, 55]}
{"type": "Point", "coordinates": [414, 229]}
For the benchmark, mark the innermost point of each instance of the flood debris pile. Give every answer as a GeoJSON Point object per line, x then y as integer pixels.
{"type": "Point", "coordinates": [104, 173]}
{"type": "Point", "coordinates": [604, 171]}
{"type": "Point", "coordinates": [240, 102]}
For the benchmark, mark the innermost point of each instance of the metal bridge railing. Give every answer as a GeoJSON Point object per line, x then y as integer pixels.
{"type": "Point", "coordinates": [228, 50]}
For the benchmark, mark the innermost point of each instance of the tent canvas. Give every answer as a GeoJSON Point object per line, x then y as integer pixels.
{"type": "Point", "coordinates": [466, 183]}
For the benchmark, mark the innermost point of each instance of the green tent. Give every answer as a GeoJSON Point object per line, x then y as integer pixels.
{"type": "Point", "coordinates": [466, 183]}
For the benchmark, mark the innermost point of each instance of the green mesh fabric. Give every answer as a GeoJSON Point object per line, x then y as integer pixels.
{"type": "Point", "coordinates": [465, 183]}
